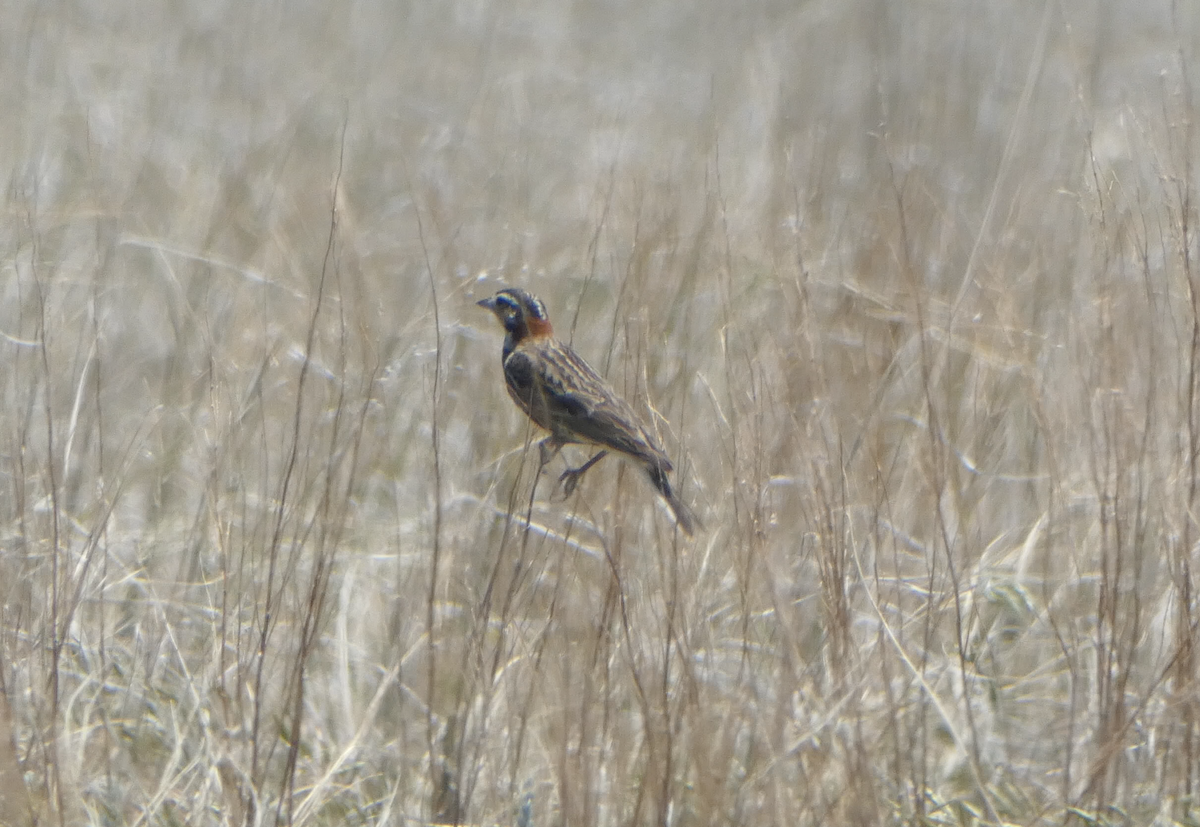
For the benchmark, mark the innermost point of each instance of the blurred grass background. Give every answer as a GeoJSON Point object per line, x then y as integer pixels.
{"type": "Point", "coordinates": [912, 285]}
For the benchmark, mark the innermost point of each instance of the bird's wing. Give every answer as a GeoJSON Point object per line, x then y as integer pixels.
{"type": "Point", "coordinates": [586, 408]}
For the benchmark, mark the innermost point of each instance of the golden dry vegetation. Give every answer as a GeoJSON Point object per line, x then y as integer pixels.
{"type": "Point", "coordinates": [912, 287]}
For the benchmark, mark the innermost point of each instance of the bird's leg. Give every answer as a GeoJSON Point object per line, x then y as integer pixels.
{"type": "Point", "coordinates": [547, 450]}
{"type": "Point", "coordinates": [570, 477]}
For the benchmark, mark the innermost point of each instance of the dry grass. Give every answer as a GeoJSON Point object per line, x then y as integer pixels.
{"type": "Point", "coordinates": [915, 289]}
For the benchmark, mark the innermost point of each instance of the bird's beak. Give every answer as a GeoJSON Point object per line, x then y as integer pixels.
{"type": "Point", "coordinates": [489, 303]}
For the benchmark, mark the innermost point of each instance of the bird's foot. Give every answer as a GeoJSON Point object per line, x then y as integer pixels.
{"type": "Point", "coordinates": [570, 477]}
{"type": "Point", "coordinates": [568, 481]}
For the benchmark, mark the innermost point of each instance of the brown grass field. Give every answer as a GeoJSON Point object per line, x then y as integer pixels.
{"type": "Point", "coordinates": [910, 291]}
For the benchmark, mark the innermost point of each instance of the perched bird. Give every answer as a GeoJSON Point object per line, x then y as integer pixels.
{"type": "Point", "coordinates": [562, 394]}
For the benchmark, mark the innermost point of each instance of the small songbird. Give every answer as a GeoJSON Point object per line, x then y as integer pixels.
{"type": "Point", "coordinates": [562, 394]}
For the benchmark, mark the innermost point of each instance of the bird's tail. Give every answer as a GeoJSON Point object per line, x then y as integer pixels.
{"type": "Point", "coordinates": [687, 519]}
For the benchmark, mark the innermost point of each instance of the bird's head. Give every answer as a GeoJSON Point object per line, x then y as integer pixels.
{"type": "Point", "coordinates": [521, 313]}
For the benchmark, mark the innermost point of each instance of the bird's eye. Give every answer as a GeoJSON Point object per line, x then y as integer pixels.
{"type": "Point", "coordinates": [511, 311]}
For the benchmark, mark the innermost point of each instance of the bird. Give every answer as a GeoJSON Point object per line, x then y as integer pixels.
{"type": "Point", "coordinates": [562, 394]}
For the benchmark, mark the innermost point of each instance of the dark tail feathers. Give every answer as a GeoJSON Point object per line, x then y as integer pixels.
{"type": "Point", "coordinates": [686, 518]}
